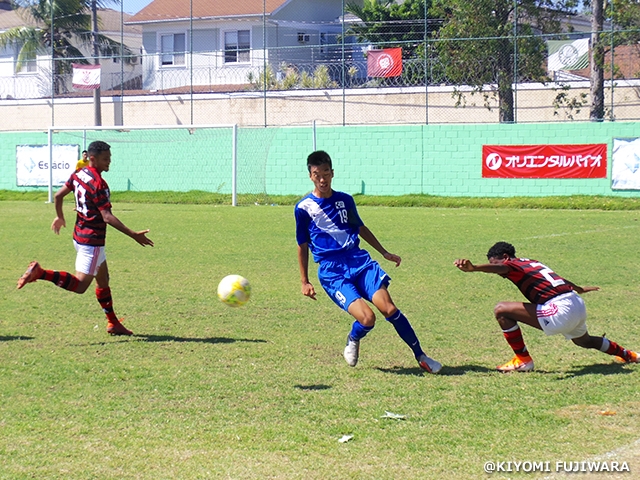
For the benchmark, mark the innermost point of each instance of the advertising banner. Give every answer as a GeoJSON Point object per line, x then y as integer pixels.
{"type": "Point", "coordinates": [544, 161]}
{"type": "Point", "coordinates": [32, 164]}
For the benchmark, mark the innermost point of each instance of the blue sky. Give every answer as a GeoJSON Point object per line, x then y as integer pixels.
{"type": "Point", "coordinates": [133, 6]}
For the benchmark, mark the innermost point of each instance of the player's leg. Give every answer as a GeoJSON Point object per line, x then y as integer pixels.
{"type": "Point", "coordinates": [73, 283]}
{"type": "Point", "coordinates": [103, 294]}
{"type": "Point", "coordinates": [607, 346]}
{"type": "Point", "coordinates": [334, 278]}
{"type": "Point", "coordinates": [383, 302]}
{"type": "Point", "coordinates": [508, 315]}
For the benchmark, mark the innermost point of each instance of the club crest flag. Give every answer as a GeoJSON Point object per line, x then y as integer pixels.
{"type": "Point", "coordinates": [384, 63]}
{"type": "Point", "coordinates": [86, 77]}
{"type": "Point", "coordinates": [568, 55]}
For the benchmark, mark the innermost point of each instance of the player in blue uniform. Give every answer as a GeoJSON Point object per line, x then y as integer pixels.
{"type": "Point", "coordinates": [328, 224]}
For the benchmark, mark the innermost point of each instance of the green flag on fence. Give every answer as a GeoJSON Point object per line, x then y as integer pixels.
{"type": "Point", "coordinates": [568, 54]}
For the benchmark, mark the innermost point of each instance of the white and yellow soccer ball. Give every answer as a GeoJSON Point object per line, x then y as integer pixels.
{"type": "Point", "coordinates": [234, 290]}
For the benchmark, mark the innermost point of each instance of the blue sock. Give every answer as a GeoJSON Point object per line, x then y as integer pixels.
{"type": "Point", "coordinates": [406, 333]}
{"type": "Point", "coordinates": [358, 331]}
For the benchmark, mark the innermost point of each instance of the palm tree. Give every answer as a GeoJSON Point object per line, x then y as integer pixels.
{"type": "Point", "coordinates": [66, 24]}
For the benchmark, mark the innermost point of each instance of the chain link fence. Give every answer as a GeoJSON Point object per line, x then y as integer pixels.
{"type": "Point", "coordinates": [270, 70]}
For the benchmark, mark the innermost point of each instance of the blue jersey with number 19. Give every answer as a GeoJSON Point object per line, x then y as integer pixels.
{"type": "Point", "coordinates": [329, 225]}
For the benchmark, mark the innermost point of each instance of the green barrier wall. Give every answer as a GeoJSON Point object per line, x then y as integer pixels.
{"type": "Point", "coordinates": [384, 160]}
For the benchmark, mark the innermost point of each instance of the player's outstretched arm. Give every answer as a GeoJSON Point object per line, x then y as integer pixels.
{"type": "Point", "coordinates": [579, 289]}
{"type": "Point", "coordinates": [368, 236]}
{"type": "Point", "coordinates": [140, 237]}
{"type": "Point", "coordinates": [303, 263]}
{"type": "Point", "coordinates": [466, 266]}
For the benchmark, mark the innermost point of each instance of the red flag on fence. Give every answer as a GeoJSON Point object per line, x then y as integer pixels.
{"type": "Point", "coordinates": [384, 63]}
{"type": "Point", "coordinates": [86, 77]}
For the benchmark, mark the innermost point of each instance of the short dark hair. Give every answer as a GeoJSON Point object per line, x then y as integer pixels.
{"type": "Point", "coordinates": [500, 248]}
{"type": "Point", "coordinates": [98, 146]}
{"type": "Point", "coordinates": [84, 151]}
{"type": "Point", "coordinates": [317, 158]}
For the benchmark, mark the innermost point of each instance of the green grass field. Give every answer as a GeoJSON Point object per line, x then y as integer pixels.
{"type": "Point", "coordinates": [262, 392]}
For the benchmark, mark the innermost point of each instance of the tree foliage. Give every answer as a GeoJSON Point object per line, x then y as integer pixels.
{"type": "Point", "coordinates": [479, 41]}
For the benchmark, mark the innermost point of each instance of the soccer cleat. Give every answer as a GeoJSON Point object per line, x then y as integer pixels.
{"type": "Point", "coordinates": [116, 328]}
{"type": "Point", "coordinates": [632, 357]}
{"type": "Point", "coordinates": [428, 364]}
{"type": "Point", "coordinates": [351, 351]}
{"type": "Point", "coordinates": [516, 365]}
{"type": "Point", "coordinates": [33, 273]}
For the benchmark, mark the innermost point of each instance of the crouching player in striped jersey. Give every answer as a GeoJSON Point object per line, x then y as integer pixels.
{"type": "Point", "coordinates": [93, 208]}
{"type": "Point", "coordinates": [555, 306]}
{"type": "Point", "coordinates": [328, 224]}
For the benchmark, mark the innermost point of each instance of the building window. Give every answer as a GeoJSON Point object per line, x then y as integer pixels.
{"type": "Point", "coordinates": [172, 48]}
{"type": "Point", "coordinates": [29, 66]}
{"type": "Point", "coordinates": [237, 46]}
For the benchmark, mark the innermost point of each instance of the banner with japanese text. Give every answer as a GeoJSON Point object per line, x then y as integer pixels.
{"type": "Point", "coordinates": [544, 161]}
{"type": "Point", "coordinates": [384, 63]}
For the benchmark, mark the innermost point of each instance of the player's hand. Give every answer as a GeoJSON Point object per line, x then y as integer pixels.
{"type": "Point", "coordinates": [309, 291]}
{"type": "Point", "coordinates": [393, 258]}
{"type": "Point", "coordinates": [57, 224]}
{"type": "Point", "coordinates": [142, 239]}
{"type": "Point", "coordinates": [464, 265]}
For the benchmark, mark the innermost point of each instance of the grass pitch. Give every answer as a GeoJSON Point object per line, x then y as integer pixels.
{"type": "Point", "coordinates": [206, 391]}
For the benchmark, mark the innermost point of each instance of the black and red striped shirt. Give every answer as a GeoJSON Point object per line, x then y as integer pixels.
{"type": "Point", "coordinates": [92, 196]}
{"type": "Point", "coordinates": [537, 282]}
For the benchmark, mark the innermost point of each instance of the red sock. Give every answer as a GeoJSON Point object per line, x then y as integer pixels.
{"type": "Point", "coordinates": [62, 279]}
{"type": "Point", "coordinates": [106, 302]}
{"type": "Point", "coordinates": [516, 342]}
{"type": "Point", "coordinates": [617, 350]}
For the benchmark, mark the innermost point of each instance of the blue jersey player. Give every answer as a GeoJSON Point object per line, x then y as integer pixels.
{"type": "Point", "coordinates": [328, 224]}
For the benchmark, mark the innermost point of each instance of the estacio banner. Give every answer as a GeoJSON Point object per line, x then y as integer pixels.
{"type": "Point", "coordinates": [86, 77]}
{"type": "Point", "coordinates": [384, 63]}
{"type": "Point", "coordinates": [544, 161]}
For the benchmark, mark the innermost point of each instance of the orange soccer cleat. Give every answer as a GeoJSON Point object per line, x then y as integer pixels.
{"type": "Point", "coordinates": [632, 357]}
{"type": "Point", "coordinates": [33, 273]}
{"type": "Point", "coordinates": [516, 364]}
{"type": "Point", "coordinates": [116, 328]}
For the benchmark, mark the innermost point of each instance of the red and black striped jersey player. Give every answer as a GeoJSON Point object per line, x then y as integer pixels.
{"type": "Point", "coordinates": [555, 306]}
{"type": "Point", "coordinates": [93, 214]}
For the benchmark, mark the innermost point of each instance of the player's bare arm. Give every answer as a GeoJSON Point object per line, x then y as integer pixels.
{"type": "Point", "coordinates": [368, 236]}
{"type": "Point", "coordinates": [58, 200]}
{"type": "Point", "coordinates": [303, 263]}
{"type": "Point", "coordinates": [466, 266]}
{"type": "Point", "coordinates": [581, 290]}
{"type": "Point", "coordinates": [140, 237]}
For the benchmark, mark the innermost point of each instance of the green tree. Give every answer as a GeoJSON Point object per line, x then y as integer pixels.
{"type": "Point", "coordinates": [71, 28]}
{"type": "Point", "coordinates": [480, 39]}
{"type": "Point", "coordinates": [625, 17]}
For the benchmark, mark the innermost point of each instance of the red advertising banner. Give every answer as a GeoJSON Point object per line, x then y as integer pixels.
{"type": "Point", "coordinates": [544, 161]}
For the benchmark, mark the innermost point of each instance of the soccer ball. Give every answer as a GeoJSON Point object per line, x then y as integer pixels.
{"type": "Point", "coordinates": [234, 290]}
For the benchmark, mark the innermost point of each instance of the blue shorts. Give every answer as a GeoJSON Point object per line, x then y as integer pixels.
{"type": "Point", "coordinates": [350, 278]}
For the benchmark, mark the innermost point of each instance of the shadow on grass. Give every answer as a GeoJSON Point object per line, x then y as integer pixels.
{"type": "Point", "coordinates": [597, 369]}
{"type": "Point", "coordinates": [4, 338]}
{"type": "Point", "coordinates": [171, 338]}
{"type": "Point", "coordinates": [319, 386]}
{"type": "Point", "coordinates": [447, 371]}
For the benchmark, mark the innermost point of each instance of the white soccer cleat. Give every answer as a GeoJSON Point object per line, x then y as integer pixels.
{"type": "Point", "coordinates": [428, 364]}
{"type": "Point", "coordinates": [351, 351]}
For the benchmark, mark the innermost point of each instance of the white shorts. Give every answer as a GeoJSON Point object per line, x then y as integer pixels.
{"type": "Point", "coordinates": [565, 314]}
{"type": "Point", "coordinates": [89, 258]}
